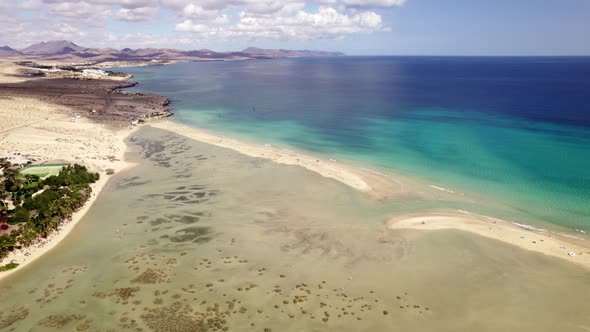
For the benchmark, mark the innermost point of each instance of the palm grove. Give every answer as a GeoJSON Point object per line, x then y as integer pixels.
{"type": "Point", "coordinates": [39, 205]}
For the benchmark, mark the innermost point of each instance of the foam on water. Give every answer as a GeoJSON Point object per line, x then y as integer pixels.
{"type": "Point", "coordinates": [533, 228]}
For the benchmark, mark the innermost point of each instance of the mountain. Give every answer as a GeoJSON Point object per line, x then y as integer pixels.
{"type": "Point", "coordinates": [278, 53]}
{"type": "Point", "coordinates": [67, 51]}
{"type": "Point", "coordinates": [6, 51]}
{"type": "Point", "coordinates": [53, 47]}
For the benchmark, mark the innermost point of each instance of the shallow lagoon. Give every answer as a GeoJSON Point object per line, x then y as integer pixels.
{"type": "Point", "coordinates": [197, 236]}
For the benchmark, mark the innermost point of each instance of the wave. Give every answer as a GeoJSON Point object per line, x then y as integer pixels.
{"type": "Point", "coordinates": [446, 190]}
{"type": "Point", "coordinates": [530, 227]}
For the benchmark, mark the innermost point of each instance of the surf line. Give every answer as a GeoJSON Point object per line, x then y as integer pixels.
{"type": "Point", "coordinates": [446, 190]}
{"type": "Point", "coordinates": [525, 226]}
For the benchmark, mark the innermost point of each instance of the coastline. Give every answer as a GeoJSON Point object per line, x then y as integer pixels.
{"type": "Point", "coordinates": [574, 250]}
{"type": "Point", "coordinates": [26, 256]}
{"type": "Point", "coordinates": [46, 132]}
{"type": "Point", "coordinates": [61, 119]}
{"type": "Point", "coordinates": [379, 186]}
{"type": "Point", "coordinates": [375, 185]}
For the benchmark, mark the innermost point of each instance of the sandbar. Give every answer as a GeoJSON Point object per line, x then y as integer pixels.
{"type": "Point", "coordinates": [574, 250]}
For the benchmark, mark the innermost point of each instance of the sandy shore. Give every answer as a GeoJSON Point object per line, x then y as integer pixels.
{"type": "Point", "coordinates": [42, 130]}
{"type": "Point", "coordinates": [374, 184]}
{"type": "Point", "coordinates": [67, 120]}
{"type": "Point", "coordinates": [47, 132]}
{"type": "Point", "coordinates": [574, 250]}
{"type": "Point", "coordinates": [378, 185]}
{"type": "Point", "coordinates": [28, 255]}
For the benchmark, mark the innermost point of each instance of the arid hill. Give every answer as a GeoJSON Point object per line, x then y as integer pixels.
{"type": "Point", "coordinates": [278, 53]}
{"type": "Point", "coordinates": [52, 47]}
{"type": "Point", "coordinates": [64, 51]}
{"type": "Point", "coordinates": [6, 51]}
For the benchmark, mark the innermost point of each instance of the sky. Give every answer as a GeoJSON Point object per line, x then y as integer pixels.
{"type": "Point", "coordinates": [356, 27]}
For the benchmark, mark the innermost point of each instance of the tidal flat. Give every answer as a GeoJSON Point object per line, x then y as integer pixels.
{"type": "Point", "coordinates": [202, 238]}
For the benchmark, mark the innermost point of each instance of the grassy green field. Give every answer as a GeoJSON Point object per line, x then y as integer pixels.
{"type": "Point", "coordinates": [43, 170]}
{"type": "Point", "coordinates": [8, 266]}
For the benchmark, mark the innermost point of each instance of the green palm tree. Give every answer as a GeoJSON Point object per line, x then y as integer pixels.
{"type": "Point", "coordinates": [4, 163]}
{"type": "Point", "coordinates": [4, 194]}
{"type": "Point", "coordinates": [12, 179]}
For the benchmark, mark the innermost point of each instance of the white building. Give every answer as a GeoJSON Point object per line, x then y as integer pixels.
{"type": "Point", "coordinates": [95, 72]}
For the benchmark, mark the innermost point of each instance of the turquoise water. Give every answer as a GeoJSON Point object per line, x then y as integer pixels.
{"type": "Point", "coordinates": [194, 228]}
{"type": "Point", "coordinates": [516, 130]}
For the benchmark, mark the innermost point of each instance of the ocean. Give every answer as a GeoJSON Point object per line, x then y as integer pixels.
{"type": "Point", "coordinates": [202, 238]}
{"type": "Point", "coordinates": [513, 131]}
{"type": "Point", "coordinates": [197, 237]}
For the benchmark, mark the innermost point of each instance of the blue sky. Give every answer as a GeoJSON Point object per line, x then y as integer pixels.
{"type": "Point", "coordinates": [357, 27]}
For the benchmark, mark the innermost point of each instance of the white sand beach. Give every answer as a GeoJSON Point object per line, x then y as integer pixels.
{"type": "Point", "coordinates": [575, 250]}
{"type": "Point", "coordinates": [47, 132]}
{"type": "Point", "coordinates": [378, 186]}
{"type": "Point", "coordinates": [325, 168]}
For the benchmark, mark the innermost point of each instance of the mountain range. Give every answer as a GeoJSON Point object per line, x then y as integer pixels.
{"type": "Point", "coordinates": [6, 51]}
{"type": "Point", "coordinates": [63, 50]}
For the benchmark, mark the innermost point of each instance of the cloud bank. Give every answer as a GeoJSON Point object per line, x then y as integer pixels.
{"type": "Point", "coordinates": [114, 22]}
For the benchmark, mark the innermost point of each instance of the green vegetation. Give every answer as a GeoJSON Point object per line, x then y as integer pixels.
{"type": "Point", "coordinates": [42, 171]}
{"type": "Point", "coordinates": [40, 205]}
{"type": "Point", "coordinates": [8, 266]}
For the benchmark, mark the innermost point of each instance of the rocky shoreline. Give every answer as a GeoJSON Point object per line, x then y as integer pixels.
{"type": "Point", "coordinates": [102, 100]}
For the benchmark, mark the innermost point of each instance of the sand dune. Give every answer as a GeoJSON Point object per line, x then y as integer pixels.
{"type": "Point", "coordinates": [8, 71]}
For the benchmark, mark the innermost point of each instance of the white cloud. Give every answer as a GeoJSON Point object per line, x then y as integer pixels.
{"type": "Point", "coordinates": [87, 21]}
{"type": "Point", "coordinates": [252, 6]}
{"type": "Point", "coordinates": [280, 8]}
{"type": "Point", "coordinates": [197, 12]}
{"type": "Point", "coordinates": [141, 40]}
{"type": "Point", "coordinates": [198, 16]}
{"type": "Point", "coordinates": [130, 4]}
{"type": "Point", "coordinates": [221, 19]}
{"type": "Point", "coordinates": [174, 4]}
{"type": "Point", "coordinates": [326, 23]}
{"type": "Point", "coordinates": [373, 3]}
{"type": "Point", "coordinates": [190, 26]}
{"type": "Point", "coordinates": [31, 4]}
{"type": "Point", "coordinates": [77, 9]}
{"type": "Point", "coordinates": [136, 14]}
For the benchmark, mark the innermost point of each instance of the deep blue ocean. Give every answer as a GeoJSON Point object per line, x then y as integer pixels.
{"type": "Point", "coordinates": [515, 129]}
